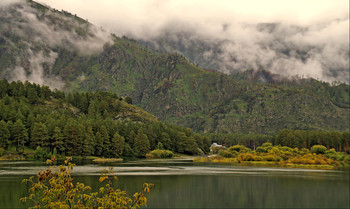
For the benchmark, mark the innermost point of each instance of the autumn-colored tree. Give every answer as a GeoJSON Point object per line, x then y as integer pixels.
{"type": "Point", "coordinates": [57, 189]}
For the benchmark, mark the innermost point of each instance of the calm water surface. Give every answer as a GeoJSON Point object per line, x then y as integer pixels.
{"type": "Point", "coordinates": [183, 184]}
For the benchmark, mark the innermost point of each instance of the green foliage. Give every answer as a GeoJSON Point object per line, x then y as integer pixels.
{"type": "Point", "coordinates": [281, 156]}
{"type": "Point", "coordinates": [318, 149]}
{"type": "Point", "coordinates": [142, 146]}
{"type": "Point", "coordinates": [267, 145]}
{"type": "Point", "coordinates": [227, 154]}
{"type": "Point", "coordinates": [238, 148]}
{"type": "Point", "coordinates": [19, 134]}
{"type": "Point", "coordinates": [83, 124]}
{"type": "Point", "coordinates": [117, 145]}
{"type": "Point", "coordinates": [57, 189]}
{"type": "Point", "coordinates": [301, 139]}
{"type": "Point", "coordinates": [39, 136]}
{"type": "Point", "coordinates": [205, 101]}
{"type": "Point", "coordinates": [1, 151]}
{"type": "Point", "coordinates": [157, 153]}
{"type": "Point", "coordinates": [159, 146]}
{"type": "Point", "coordinates": [128, 100]}
{"type": "Point", "coordinates": [261, 149]}
{"type": "Point", "coordinates": [40, 153]}
{"type": "Point", "coordinates": [4, 135]}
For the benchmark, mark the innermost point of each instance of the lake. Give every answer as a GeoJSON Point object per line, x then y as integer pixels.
{"type": "Point", "coordinates": [180, 183]}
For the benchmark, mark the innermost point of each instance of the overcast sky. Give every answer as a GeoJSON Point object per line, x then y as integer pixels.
{"type": "Point", "coordinates": [315, 32]}
{"type": "Point", "coordinates": [125, 15]}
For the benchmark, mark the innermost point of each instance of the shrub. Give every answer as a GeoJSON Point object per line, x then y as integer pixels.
{"type": "Point", "coordinates": [318, 149]}
{"type": "Point", "coordinates": [56, 188]}
{"type": "Point", "coordinates": [269, 158]}
{"type": "Point", "coordinates": [267, 144]}
{"type": "Point", "coordinates": [304, 151]}
{"type": "Point", "coordinates": [238, 148]}
{"type": "Point", "coordinates": [274, 151]}
{"type": "Point", "coordinates": [1, 151]}
{"type": "Point", "coordinates": [261, 150]}
{"type": "Point", "coordinates": [225, 153]}
{"type": "Point", "coordinates": [41, 154]}
{"type": "Point", "coordinates": [245, 157]}
{"type": "Point", "coordinates": [278, 159]}
{"type": "Point", "coordinates": [301, 160]}
{"type": "Point", "coordinates": [258, 158]}
{"type": "Point", "coordinates": [160, 154]}
{"type": "Point", "coordinates": [347, 159]}
{"type": "Point", "coordinates": [331, 152]}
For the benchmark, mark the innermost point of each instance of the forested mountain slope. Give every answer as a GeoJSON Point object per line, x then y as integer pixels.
{"type": "Point", "coordinates": [84, 124]}
{"type": "Point", "coordinates": [167, 85]}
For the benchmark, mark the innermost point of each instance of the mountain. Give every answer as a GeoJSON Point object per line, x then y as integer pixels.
{"type": "Point", "coordinates": [61, 50]}
{"type": "Point", "coordinates": [281, 48]}
{"type": "Point", "coordinates": [84, 124]}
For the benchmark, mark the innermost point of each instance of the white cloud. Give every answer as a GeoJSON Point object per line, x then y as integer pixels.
{"type": "Point", "coordinates": [315, 33]}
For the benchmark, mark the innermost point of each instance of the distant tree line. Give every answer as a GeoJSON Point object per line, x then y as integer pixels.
{"type": "Point", "coordinates": [340, 141]}
{"type": "Point", "coordinates": [83, 124]}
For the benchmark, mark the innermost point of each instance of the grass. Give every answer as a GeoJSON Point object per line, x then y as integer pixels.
{"type": "Point", "coordinates": [234, 161]}
{"type": "Point", "coordinates": [12, 154]}
{"type": "Point", "coordinates": [107, 160]}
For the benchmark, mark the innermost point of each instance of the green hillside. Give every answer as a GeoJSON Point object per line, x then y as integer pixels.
{"type": "Point", "coordinates": [168, 85]}
{"type": "Point", "coordinates": [83, 124]}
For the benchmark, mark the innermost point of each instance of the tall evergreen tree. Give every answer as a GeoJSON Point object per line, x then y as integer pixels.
{"type": "Point", "coordinates": [88, 143]}
{"type": "Point", "coordinates": [39, 136]}
{"type": "Point", "coordinates": [98, 144]}
{"type": "Point", "coordinates": [4, 135]}
{"type": "Point", "coordinates": [117, 145]}
{"type": "Point", "coordinates": [74, 136]}
{"type": "Point", "coordinates": [105, 140]}
{"type": "Point", "coordinates": [20, 134]}
{"type": "Point", "coordinates": [141, 146]}
{"type": "Point", "coordinates": [57, 140]}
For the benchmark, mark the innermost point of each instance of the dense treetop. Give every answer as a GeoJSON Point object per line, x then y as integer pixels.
{"type": "Point", "coordinates": [83, 124]}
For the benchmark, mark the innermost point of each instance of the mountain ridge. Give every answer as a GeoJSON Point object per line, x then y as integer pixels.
{"type": "Point", "coordinates": [169, 85]}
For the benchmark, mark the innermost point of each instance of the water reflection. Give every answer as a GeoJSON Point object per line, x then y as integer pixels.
{"type": "Point", "coordinates": [183, 184]}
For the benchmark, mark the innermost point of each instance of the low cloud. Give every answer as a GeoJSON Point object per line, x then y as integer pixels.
{"type": "Point", "coordinates": [54, 29]}
{"type": "Point", "coordinates": [37, 33]}
{"type": "Point", "coordinates": [309, 38]}
{"type": "Point", "coordinates": [37, 61]}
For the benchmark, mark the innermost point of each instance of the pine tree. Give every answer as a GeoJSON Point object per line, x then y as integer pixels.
{"type": "Point", "coordinates": [160, 146]}
{"type": "Point", "coordinates": [166, 141]}
{"type": "Point", "coordinates": [181, 142]}
{"type": "Point", "coordinates": [141, 146]}
{"type": "Point", "coordinates": [117, 145]}
{"type": "Point", "coordinates": [191, 146]}
{"type": "Point", "coordinates": [39, 136]}
{"type": "Point", "coordinates": [132, 137]}
{"type": "Point", "coordinates": [57, 140]}
{"type": "Point", "coordinates": [88, 143]}
{"type": "Point", "coordinates": [20, 134]}
{"type": "Point", "coordinates": [105, 140]}
{"type": "Point", "coordinates": [4, 135]}
{"type": "Point", "coordinates": [98, 144]}
{"type": "Point", "coordinates": [74, 136]}
{"type": "Point", "coordinates": [206, 144]}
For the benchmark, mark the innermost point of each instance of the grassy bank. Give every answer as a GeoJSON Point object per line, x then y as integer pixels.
{"type": "Point", "coordinates": [318, 157]}
{"type": "Point", "coordinates": [235, 162]}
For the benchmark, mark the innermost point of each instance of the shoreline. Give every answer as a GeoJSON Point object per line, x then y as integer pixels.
{"type": "Point", "coordinates": [275, 164]}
